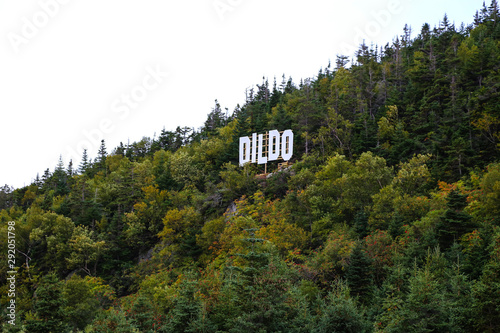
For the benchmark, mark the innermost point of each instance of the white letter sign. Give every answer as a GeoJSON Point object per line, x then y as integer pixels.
{"type": "Point", "coordinates": [263, 148]}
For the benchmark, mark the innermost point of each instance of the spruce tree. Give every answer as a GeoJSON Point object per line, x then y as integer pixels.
{"type": "Point", "coordinates": [84, 165]}
{"type": "Point", "coordinates": [48, 307]}
{"type": "Point", "coordinates": [70, 169]}
{"type": "Point", "coordinates": [361, 224]}
{"type": "Point", "coordinates": [455, 222]}
{"type": "Point", "coordinates": [101, 157]}
{"type": "Point", "coordinates": [60, 179]}
{"type": "Point", "coordinates": [359, 273]}
{"type": "Point", "coordinates": [261, 292]}
{"type": "Point", "coordinates": [241, 129]}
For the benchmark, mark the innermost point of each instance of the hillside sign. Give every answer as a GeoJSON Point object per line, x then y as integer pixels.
{"type": "Point", "coordinates": [266, 147]}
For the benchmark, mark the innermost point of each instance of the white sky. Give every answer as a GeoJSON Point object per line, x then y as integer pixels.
{"type": "Point", "coordinates": [67, 66]}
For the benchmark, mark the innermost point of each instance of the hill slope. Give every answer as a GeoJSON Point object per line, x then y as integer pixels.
{"type": "Point", "coordinates": [387, 221]}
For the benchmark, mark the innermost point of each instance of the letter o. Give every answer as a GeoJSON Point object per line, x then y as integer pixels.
{"type": "Point", "coordinates": [40, 15]}
{"type": "Point", "coordinates": [372, 32]}
{"type": "Point", "coordinates": [287, 150]}
{"type": "Point", "coordinates": [139, 93]}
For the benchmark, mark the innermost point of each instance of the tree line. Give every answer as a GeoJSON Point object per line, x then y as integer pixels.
{"type": "Point", "coordinates": [388, 220]}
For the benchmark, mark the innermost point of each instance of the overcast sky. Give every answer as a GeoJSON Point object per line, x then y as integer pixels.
{"type": "Point", "coordinates": [75, 71]}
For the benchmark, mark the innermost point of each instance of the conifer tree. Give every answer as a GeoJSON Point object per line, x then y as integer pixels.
{"type": "Point", "coordinates": [84, 164]}
{"type": "Point", "coordinates": [48, 307]}
{"type": "Point", "coordinates": [60, 179]}
{"type": "Point", "coordinates": [261, 292]}
{"type": "Point", "coordinates": [455, 222]}
{"type": "Point", "coordinates": [361, 224]}
{"type": "Point", "coordinates": [359, 273]}
{"type": "Point", "coordinates": [70, 169]}
{"type": "Point", "coordinates": [101, 157]}
{"type": "Point", "coordinates": [339, 312]}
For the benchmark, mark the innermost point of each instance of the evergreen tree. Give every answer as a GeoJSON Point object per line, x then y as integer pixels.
{"type": "Point", "coordinates": [6, 197]}
{"type": "Point", "coordinates": [261, 291]}
{"type": "Point", "coordinates": [120, 150]}
{"type": "Point", "coordinates": [280, 119]}
{"type": "Point", "coordinates": [425, 309]}
{"type": "Point", "coordinates": [340, 313]}
{"type": "Point", "coordinates": [38, 182]}
{"type": "Point", "coordinates": [216, 119]}
{"type": "Point", "coordinates": [48, 306]}
{"type": "Point", "coordinates": [143, 314]}
{"type": "Point", "coordinates": [455, 222]}
{"type": "Point", "coordinates": [84, 164]}
{"type": "Point", "coordinates": [486, 293]}
{"type": "Point", "coordinates": [242, 129]}
{"type": "Point", "coordinates": [186, 308]}
{"type": "Point", "coordinates": [359, 273]}
{"type": "Point", "coordinates": [101, 157]}
{"type": "Point", "coordinates": [70, 169]}
{"type": "Point", "coordinates": [361, 224]}
{"type": "Point", "coordinates": [60, 179]}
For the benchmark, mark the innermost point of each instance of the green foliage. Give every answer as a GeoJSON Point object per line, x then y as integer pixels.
{"type": "Point", "coordinates": [81, 305]}
{"type": "Point", "coordinates": [339, 312]}
{"type": "Point", "coordinates": [455, 222]}
{"type": "Point", "coordinates": [486, 292]}
{"type": "Point", "coordinates": [50, 236]}
{"type": "Point", "coordinates": [387, 220]}
{"type": "Point", "coordinates": [112, 321]}
{"type": "Point", "coordinates": [359, 273]}
{"type": "Point", "coordinates": [84, 249]}
{"type": "Point", "coordinates": [48, 316]}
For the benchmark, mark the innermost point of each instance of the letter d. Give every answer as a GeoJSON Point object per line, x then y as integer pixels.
{"type": "Point", "coordinates": [94, 136]}
{"type": "Point", "coordinates": [359, 35]}
{"type": "Point", "coordinates": [51, 7]}
{"type": "Point", "coordinates": [383, 17]}
{"type": "Point", "coordinates": [28, 30]}
{"type": "Point", "coordinates": [244, 150]}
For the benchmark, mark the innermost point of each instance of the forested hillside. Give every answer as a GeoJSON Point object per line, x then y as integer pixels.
{"type": "Point", "coordinates": [388, 219]}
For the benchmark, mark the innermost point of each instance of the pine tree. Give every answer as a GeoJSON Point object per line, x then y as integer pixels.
{"type": "Point", "coordinates": [339, 312]}
{"type": "Point", "coordinates": [101, 157]}
{"type": "Point", "coordinates": [361, 224]}
{"type": "Point", "coordinates": [38, 182]}
{"type": "Point", "coordinates": [216, 119]}
{"type": "Point", "coordinates": [70, 170]}
{"type": "Point", "coordinates": [84, 165]}
{"type": "Point", "coordinates": [48, 307]}
{"type": "Point", "coordinates": [280, 119]}
{"type": "Point", "coordinates": [261, 291]}
{"type": "Point", "coordinates": [359, 273]}
{"type": "Point", "coordinates": [60, 179]}
{"type": "Point", "coordinates": [6, 197]}
{"type": "Point", "coordinates": [142, 314]}
{"type": "Point", "coordinates": [241, 129]}
{"type": "Point", "coordinates": [486, 293]}
{"type": "Point", "coordinates": [425, 309]}
{"type": "Point", "coordinates": [455, 222]}
{"type": "Point", "coordinates": [47, 180]}
{"type": "Point", "coordinates": [120, 150]}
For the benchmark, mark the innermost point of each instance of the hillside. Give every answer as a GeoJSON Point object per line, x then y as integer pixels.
{"type": "Point", "coordinates": [388, 219]}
